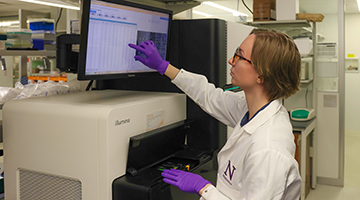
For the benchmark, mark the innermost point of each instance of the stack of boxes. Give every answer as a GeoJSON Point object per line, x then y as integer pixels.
{"type": "Point", "coordinates": [18, 39]}
{"type": "Point", "coordinates": [43, 34]}
{"type": "Point", "coordinates": [44, 38]}
{"type": "Point", "coordinates": [267, 10]}
{"type": "Point", "coordinates": [264, 10]}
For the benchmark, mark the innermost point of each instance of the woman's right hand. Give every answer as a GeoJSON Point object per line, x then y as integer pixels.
{"type": "Point", "coordinates": [153, 59]}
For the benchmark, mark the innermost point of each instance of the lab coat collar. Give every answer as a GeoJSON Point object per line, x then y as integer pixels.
{"type": "Point", "coordinates": [263, 116]}
{"type": "Point", "coordinates": [253, 124]}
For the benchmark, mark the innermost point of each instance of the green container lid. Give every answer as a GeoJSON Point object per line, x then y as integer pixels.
{"type": "Point", "coordinates": [300, 114]}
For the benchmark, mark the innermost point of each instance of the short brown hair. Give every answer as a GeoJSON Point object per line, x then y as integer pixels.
{"type": "Point", "coordinates": [277, 60]}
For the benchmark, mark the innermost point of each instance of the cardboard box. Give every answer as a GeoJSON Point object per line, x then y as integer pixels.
{"type": "Point", "coordinates": [287, 9]}
{"type": "Point", "coordinates": [264, 10]}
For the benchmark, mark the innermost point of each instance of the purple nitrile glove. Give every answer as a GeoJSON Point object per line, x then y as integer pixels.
{"type": "Point", "coordinates": [153, 59]}
{"type": "Point", "coordinates": [185, 181]}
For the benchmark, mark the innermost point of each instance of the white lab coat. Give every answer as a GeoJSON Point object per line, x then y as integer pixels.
{"type": "Point", "coordinates": [257, 161]}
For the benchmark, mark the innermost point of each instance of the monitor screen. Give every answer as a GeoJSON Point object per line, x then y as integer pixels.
{"type": "Point", "coordinates": [108, 26]}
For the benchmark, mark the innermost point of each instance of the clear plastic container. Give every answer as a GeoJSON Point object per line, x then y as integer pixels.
{"type": "Point", "coordinates": [23, 46]}
{"type": "Point", "coordinates": [18, 41]}
{"type": "Point", "coordinates": [8, 45]}
{"type": "Point", "coordinates": [24, 34]}
{"type": "Point", "coordinates": [41, 24]}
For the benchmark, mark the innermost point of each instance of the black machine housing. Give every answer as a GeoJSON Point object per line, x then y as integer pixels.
{"type": "Point", "coordinates": [68, 61]}
{"type": "Point", "coordinates": [197, 46]}
{"type": "Point", "coordinates": [149, 154]}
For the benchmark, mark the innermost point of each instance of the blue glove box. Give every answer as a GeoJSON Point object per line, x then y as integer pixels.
{"type": "Point", "coordinates": [39, 43]}
{"type": "Point", "coordinates": [41, 24]}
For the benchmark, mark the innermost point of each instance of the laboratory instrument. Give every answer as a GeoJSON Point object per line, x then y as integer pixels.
{"type": "Point", "coordinates": [80, 145]}
{"type": "Point", "coordinates": [302, 114]}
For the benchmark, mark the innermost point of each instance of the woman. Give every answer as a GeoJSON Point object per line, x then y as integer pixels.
{"type": "Point", "coordinates": [257, 161]}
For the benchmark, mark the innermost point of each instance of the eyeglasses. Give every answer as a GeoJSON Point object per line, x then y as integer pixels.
{"type": "Point", "coordinates": [242, 58]}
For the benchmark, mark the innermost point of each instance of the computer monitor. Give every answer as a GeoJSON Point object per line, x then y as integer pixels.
{"type": "Point", "coordinates": [108, 26]}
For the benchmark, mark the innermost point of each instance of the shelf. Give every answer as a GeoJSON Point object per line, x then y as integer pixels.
{"type": "Point", "coordinates": [306, 81]}
{"type": "Point", "coordinates": [27, 53]}
{"type": "Point", "coordinates": [288, 24]}
{"type": "Point", "coordinates": [352, 65]}
{"type": "Point", "coordinates": [351, 71]}
{"type": "Point", "coordinates": [309, 30]}
{"type": "Point", "coordinates": [307, 55]}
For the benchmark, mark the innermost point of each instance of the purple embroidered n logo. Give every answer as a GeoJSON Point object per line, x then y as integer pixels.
{"type": "Point", "coordinates": [231, 171]}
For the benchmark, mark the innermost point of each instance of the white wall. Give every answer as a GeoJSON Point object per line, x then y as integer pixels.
{"type": "Point", "coordinates": [352, 80]}
{"type": "Point", "coordinates": [328, 28]}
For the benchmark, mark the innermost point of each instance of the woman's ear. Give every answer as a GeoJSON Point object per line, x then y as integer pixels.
{"type": "Point", "coordinates": [260, 80]}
